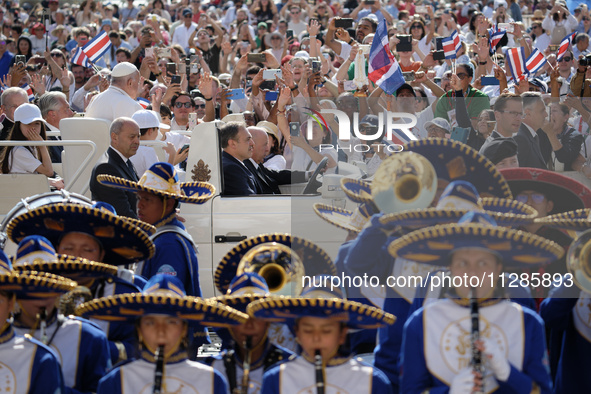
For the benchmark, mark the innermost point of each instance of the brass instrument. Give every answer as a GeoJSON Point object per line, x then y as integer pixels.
{"type": "Point", "coordinates": [578, 261]}
{"type": "Point", "coordinates": [72, 299]}
{"type": "Point", "coordinates": [476, 362]}
{"type": "Point", "coordinates": [405, 180]}
{"type": "Point", "coordinates": [246, 365]}
{"type": "Point", "coordinates": [319, 372]}
{"type": "Point", "coordinates": [278, 264]}
{"type": "Point", "coordinates": [159, 372]}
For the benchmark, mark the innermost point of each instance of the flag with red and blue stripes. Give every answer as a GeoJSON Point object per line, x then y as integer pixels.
{"type": "Point", "coordinates": [143, 102]}
{"type": "Point", "coordinates": [402, 136]}
{"type": "Point", "coordinates": [564, 44]}
{"type": "Point", "coordinates": [515, 57]}
{"type": "Point", "coordinates": [384, 70]}
{"type": "Point", "coordinates": [451, 45]}
{"type": "Point", "coordinates": [29, 91]}
{"type": "Point", "coordinates": [495, 35]}
{"type": "Point", "coordinates": [535, 61]}
{"type": "Point", "coordinates": [80, 58]}
{"type": "Point", "coordinates": [97, 47]}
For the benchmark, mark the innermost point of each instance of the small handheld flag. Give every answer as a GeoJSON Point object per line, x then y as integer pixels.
{"type": "Point", "coordinates": [535, 61]}
{"type": "Point", "coordinates": [564, 44]}
{"type": "Point", "coordinates": [515, 57]}
{"type": "Point", "coordinates": [384, 70]}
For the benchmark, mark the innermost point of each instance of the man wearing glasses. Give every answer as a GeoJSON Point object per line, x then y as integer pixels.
{"type": "Point", "coordinates": [210, 53]}
{"type": "Point", "coordinates": [508, 114]}
{"type": "Point", "coordinates": [295, 23]}
{"type": "Point", "coordinates": [182, 104]}
{"type": "Point", "coordinates": [184, 31]}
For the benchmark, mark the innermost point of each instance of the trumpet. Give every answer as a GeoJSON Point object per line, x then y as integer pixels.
{"type": "Point", "coordinates": [578, 261]}
{"type": "Point", "coordinates": [278, 264]}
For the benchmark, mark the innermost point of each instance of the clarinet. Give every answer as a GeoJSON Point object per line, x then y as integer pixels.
{"type": "Point", "coordinates": [319, 372]}
{"type": "Point", "coordinates": [42, 317]}
{"type": "Point", "coordinates": [246, 365]}
{"type": "Point", "coordinates": [476, 361]}
{"type": "Point", "coordinates": [159, 373]}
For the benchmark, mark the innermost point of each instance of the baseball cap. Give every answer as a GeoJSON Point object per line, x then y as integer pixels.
{"type": "Point", "coordinates": [372, 120]}
{"type": "Point", "coordinates": [147, 119]}
{"type": "Point", "coordinates": [439, 122]}
{"type": "Point", "coordinates": [187, 11]}
{"type": "Point", "coordinates": [405, 87]}
{"type": "Point", "coordinates": [27, 114]}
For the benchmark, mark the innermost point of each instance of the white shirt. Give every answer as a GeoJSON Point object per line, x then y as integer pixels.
{"type": "Point", "coordinates": [303, 162]}
{"type": "Point", "coordinates": [23, 161]}
{"type": "Point", "coordinates": [541, 42]}
{"type": "Point", "coordinates": [298, 28]}
{"type": "Point", "coordinates": [39, 44]}
{"type": "Point", "coordinates": [111, 104]}
{"type": "Point", "coordinates": [177, 139]}
{"type": "Point", "coordinates": [276, 162]}
{"type": "Point", "coordinates": [143, 159]}
{"type": "Point", "coordinates": [182, 34]}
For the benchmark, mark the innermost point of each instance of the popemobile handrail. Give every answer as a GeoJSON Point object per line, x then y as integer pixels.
{"type": "Point", "coordinates": [60, 143]}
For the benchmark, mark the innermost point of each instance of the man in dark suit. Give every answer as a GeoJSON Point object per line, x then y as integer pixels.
{"type": "Point", "coordinates": [125, 140]}
{"type": "Point", "coordinates": [268, 180]}
{"type": "Point", "coordinates": [529, 152]}
{"type": "Point", "coordinates": [237, 145]}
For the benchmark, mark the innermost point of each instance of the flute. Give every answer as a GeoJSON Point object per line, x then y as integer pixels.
{"type": "Point", "coordinates": [246, 365]}
{"type": "Point", "coordinates": [476, 362]}
{"type": "Point", "coordinates": [319, 372]}
{"type": "Point", "coordinates": [159, 373]}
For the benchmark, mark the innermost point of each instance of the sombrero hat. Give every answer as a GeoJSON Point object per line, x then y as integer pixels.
{"type": "Point", "coordinates": [315, 260]}
{"type": "Point", "coordinates": [433, 245]}
{"type": "Point", "coordinates": [320, 301]}
{"type": "Point", "coordinates": [454, 160]}
{"type": "Point", "coordinates": [566, 193]}
{"type": "Point", "coordinates": [35, 253]}
{"type": "Point", "coordinates": [577, 220]}
{"type": "Point", "coordinates": [162, 180]}
{"type": "Point", "coordinates": [458, 198]}
{"type": "Point", "coordinates": [31, 284]}
{"type": "Point", "coordinates": [243, 290]}
{"type": "Point", "coordinates": [122, 241]}
{"type": "Point", "coordinates": [352, 221]}
{"type": "Point", "coordinates": [162, 295]}
{"type": "Point", "coordinates": [357, 190]}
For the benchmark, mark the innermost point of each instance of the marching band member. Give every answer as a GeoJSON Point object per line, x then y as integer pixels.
{"type": "Point", "coordinates": [510, 355]}
{"type": "Point", "coordinates": [95, 233]}
{"type": "Point", "coordinates": [322, 317]}
{"type": "Point", "coordinates": [251, 353]}
{"type": "Point", "coordinates": [28, 366]}
{"type": "Point", "coordinates": [82, 348]}
{"type": "Point", "coordinates": [161, 314]}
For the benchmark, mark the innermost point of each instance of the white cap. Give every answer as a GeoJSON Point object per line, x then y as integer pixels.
{"type": "Point", "coordinates": [439, 122]}
{"type": "Point", "coordinates": [303, 54]}
{"type": "Point", "coordinates": [500, 3]}
{"type": "Point", "coordinates": [27, 114]}
{"type": "Point", "coordinates": [147, 119]}
{"type": "Point", "coordinates": [123, 69]}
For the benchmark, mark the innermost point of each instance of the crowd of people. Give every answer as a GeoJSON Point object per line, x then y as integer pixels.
{"type": "Point", "coordinates": [488, 131]}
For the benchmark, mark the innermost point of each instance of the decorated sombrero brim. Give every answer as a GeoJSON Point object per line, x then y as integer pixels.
{"type": "Point", "coordinates": [315, 260]}
{"type": "Point", "coordinates": [352, 221]}
{"type": "Point", "coordinates": [506, 213]}
{"type": "Point", "coordinates": [577, 220]}
{"type": "Point", "coordinates": [122, 241]}
{"type": "Point", "coordinates": [35, 285]}
{"type": "Point", "coordinates": [566, 193]}
{"type": "Point", "coordinates": [281, 309]}
{"type": "Point", "coordinates": [192, 192]}
{"type": "Point", "coordinates": [132, 306]}
{"type": "Point", "coordinates": [434, 245]}
{"type": "Point", "coordinates": [74, 268]}
{"type": "Point", "coordinates": [454, 160]}
{"type": "Point", "coordinates": [357, 190]}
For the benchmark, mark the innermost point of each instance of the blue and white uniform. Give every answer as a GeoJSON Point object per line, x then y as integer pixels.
{"type": "Point", "coordinates": [231, 360]}
{"type": "Point", "coordinates": [181, 376]}
{"type": "Point", "coordinates": [436, 347]}
{"type": "Point", "coordinates": [341, 375]}
{"type": "Point", "coordinates": [81, 347]}
{"type": "Point", "coordinates": [28, 366]}
{"type": "Point", "coordinates": [567, 313]}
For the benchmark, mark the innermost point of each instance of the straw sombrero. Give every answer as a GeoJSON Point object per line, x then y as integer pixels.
{"type": "Point", "coordinates": [315, 260]}
{"type": "Point", "coordinates": [352, 221]}
{"type": "Point", "coordinates": [162, 295]}
{"type": "Point", "coordinates": [318, 300]}
{"type": "Point", "coordinates": [162, 180]}
{"type": "Point", "coordinates": [434, 245]}
{"type": "Point", "coordinates": [243, 290]}
{"type": "Point", "coordinates": [567, 194]}
{"type": "Point", "coordinates": [122, 241]}
{"type": "Point", "coordinates": [577, 220]}
{"type": "Point", "coordinates": [454, 160]}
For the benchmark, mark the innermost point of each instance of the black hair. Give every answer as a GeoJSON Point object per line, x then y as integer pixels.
{"type": "Point", "coordinates": [16, 134]}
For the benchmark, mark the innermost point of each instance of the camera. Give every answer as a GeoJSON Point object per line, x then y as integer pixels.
{"type": "Point", "coordinates": [585, 61]}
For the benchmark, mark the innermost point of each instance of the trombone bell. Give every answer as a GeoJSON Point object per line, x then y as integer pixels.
{"type": "Point", "coordinates": [578, 261]}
